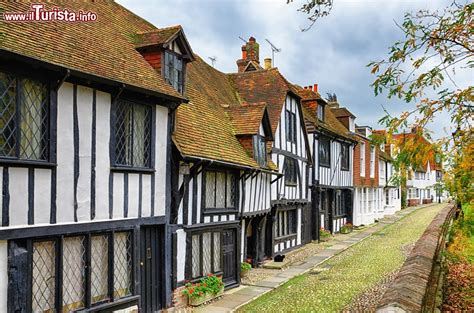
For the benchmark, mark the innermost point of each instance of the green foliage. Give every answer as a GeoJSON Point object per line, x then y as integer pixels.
{"type": "Point", "coordinates": [346, 228]}
{"type": "Point", "coordinates": [244, 266]}
{"type": "Point", "coordinates": [421, 69]}
{"type": "Point", "coordinates": [211, 284]}
{"type": "Point", "coordinates": [315, 9]}
{"type": "Point", "coordinates": [323, 233]}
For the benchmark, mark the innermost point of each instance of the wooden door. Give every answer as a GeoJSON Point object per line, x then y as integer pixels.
{"type": "Point", "coordinates": [229, 244]}
{"type": "Point", "coordinates": [150, 269]}
{"type": "Point", "coordinates": [306, 224]}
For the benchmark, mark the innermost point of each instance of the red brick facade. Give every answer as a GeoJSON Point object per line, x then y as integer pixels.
{"type": "Point", "coordinates": [365, 181]}
{"type": "Point", "coordinates": [154, 58]}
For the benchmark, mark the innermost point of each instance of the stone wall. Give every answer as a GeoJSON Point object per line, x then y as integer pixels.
{"type": "Point", "coordinates": [415, 286]}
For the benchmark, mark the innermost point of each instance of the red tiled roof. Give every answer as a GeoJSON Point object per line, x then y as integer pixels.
{"type": "Point", "coordinates": [246, 119]}
{"type": "Point", "coordinates": [156, 36]}
{"type": "Point", "coordinates": [203, 127]}
{"type": "Point", "coordinates": [103, 48]}
{"type": "Point", "coordinates": [264, 86]}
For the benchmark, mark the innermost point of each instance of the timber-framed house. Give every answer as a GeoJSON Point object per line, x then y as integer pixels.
{"type": "Point", "coordinates": [332, 147]}
{"type": "Point", "coordinates": [222, 171]}
{"type": "Point", "coordinates": [286, 220]}
{"type": "Point", "coordinates": [85, 157]}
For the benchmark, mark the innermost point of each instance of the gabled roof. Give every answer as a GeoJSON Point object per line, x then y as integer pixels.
{"type": "Point", "coordinates": [160, 36]}
{"type": "Point", "coordinates": [342, 112]}
{"type": "Point", "coordinates": [330, 124]}
{"type": "Point", "coordinates": [163, 37]}
{"type": "Point", "coordinates": [203, 126]}
{"type": "Point", "coordinates": [102, 49]}
{"type": "Point", "coordinates": [247, 119]}
{"type": "Point", "coordinates": [264, 86]}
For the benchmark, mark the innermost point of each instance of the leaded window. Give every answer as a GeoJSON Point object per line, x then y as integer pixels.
{"type": "Point", "coordinates": [290, 171]}
{"type": "Point", "coordinates": [290, 126]}
{"type": "Point", "coordinates": [324, 152]}
{"type": "Point", "coordinates": [174, 70]}
{"type": "Point", "coordinates": [344, 157]}
{"type": "Point", "coordinates": [259, 150]}
{"type": "Point", "coordinates": [205, 254]}
{"type": "Point", "coordinates": [24, 118]}
{"type": "Point", "coordinates": [82, 272]}
{"type": "Point", "coordinates": [320, 112]}
{"type": "Point", "coordinates": [132, 134]}
{"type": "Point", "coordinates": [220, 190]}
{"type": "Point", "coordinates": [286, 223]}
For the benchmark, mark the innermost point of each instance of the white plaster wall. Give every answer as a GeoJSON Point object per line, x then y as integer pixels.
{"type": "Point", "coordinates": [160, 159]}
{"type": "Point", "coordinates": [65, 155]}
{"type": "Point", "coordinates": [298, 228]}
{"type": "Point", "coordinates": [133, 194]}
{"type": "Point", "coordinates": [84, 114]}
{"type": "Point", "coordinates": [1, 188]}
{"type": "Point", "coordinates": [42, 198]}
{"type": "Point", "coordinates": [118, 195]}
{"type": "Point", "coordinates": [18, 188]}
{"type": "Point", "coordinates": [242, 240]}
{"type": "Point", "coordinates": [3, 276]}
{"type": "Point", "coordinates": [180, 254]}
{"type": "Point", "coordinates": [146, 198]}
{"type": "Point", "coordinates": [102, 169]}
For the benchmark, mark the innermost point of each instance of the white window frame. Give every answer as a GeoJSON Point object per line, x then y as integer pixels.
{"type": "Point", "coordinates": [372, 161]}
{"type": "Point", "coordinates": [362, 159]}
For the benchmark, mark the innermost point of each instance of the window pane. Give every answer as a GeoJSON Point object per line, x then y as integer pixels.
{"type": "Point", "coordinates": [7, 115]}
{"type": "Point", "coordinates": [123, 133]}
{"type": "Point", "coordinates": [122, 264]}
{"type": "Point", "coordinates": [210, 189]}
{"type": "Point", "coordinates": [73, 273]}
{"type": "Point", "coordinates": [141, 135]}
{"type": "Point", "coordinates": [217, 252]}
{"type": "Point", "coordinates": [230, 191]}
{"type": "Point", "coordinates": [206, 253]}
{"type": "Point", "coordinates": [220, 189]}
{"type": "Point", "coordinates": [34, 120]}
{"type": "Point", "coordinates": [196, 272]}
{"type": "Point", "coordinates": [44, 278]}
{"type": "Point", "coordinates": [99, 268]}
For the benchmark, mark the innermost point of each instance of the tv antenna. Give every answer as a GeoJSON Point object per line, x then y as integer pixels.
{"type": "Point", "coordinates": [213, 60]}
{"type": "Point", "coordinates": [242, 39]}
{"type": "Point", "coordinates": [274, 50]}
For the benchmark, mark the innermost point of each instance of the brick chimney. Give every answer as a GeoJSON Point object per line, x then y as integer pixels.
{"type": "Point", "coordinates": [250, 52]}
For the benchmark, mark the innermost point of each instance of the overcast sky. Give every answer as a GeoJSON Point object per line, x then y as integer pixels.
{"type": "Point", "coordinates": [333, 54]}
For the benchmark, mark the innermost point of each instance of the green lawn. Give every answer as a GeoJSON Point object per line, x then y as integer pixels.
{"type": "Point", "coordinates": [350, 273]}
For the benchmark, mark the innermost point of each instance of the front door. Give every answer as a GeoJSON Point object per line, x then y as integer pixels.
{"type": "Point", "coordinates": [229, 255]}
{"type": "Point", "coordinates": [306, 224]}
{"type": "Point", "coordinates": [150, 269]}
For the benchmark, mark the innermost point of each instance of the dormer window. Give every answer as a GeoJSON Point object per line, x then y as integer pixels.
{"type": "Point", "coordinates": [320, 112]}
{"type": "Point", "coordinates": [173, 71]}
{"type": "Point", "coordinates": [259, 150]}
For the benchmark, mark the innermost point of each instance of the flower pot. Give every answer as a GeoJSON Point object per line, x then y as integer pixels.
{"type": "Point", "coordinates": [244, 273]}
{"type": "Point", "coordinates": [195, 301]}
{"type": "Point", "coordinates": [324, 239]}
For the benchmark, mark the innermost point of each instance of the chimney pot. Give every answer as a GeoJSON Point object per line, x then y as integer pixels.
{"type": "Point", "coordinates": [315, 87]}
{"type": "Point", "coordinates": [252, 39]}
{"type": "Point", "coordinates": [268, 63]}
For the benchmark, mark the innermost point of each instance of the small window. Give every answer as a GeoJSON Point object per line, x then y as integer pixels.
{"type": "Point", "coordinates": [24, 118]}
{"type": "Point", "coordinates": [259, 150]}
{"type": "Point", "coordinates": [320, 112]}
{"type": "Point", "coordinates": [174, 71]}
{"type": "Point", "coordinates": [372, 161]}
{"type": "Point", "coordinates": [132, 134]}
{"type": "Point", "coordinates": [324, 152]}
{"type": "Point", "coordinates": [345, 157]}
{"type": "Point", "coordinates": [286, 223]}
{"type": "Point", "coordinates": [220, 190]}
{"type": "Point", "coordinates": [290, 171]}
{"type": "Point", "coordinates": [291, 126]}
{"type": "Point", "coordinates": [205, 254]}
{"type": "Point", "coordinates": [362, 159]}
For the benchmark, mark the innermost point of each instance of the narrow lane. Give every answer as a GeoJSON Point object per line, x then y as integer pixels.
{"type": "Point", "coordinates": [333, 285]}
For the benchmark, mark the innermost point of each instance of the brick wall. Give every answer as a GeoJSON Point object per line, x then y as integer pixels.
{"type": "Point", "coordinates": [179, 300]}
{"type": "Point", "coordinates": [154, 58]}
{"type": "Point", "coordinates": [247, 143]}
{"type": "Point", "coordinates": [365, 181]}
{"type": "Point", "coordinates": [413, 202]}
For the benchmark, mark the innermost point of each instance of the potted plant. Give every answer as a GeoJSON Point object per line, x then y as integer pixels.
{"type": "Point", "coordinates": [244, 269]}
{"type": "Point", "coordinates": [324, 234]}
{"type": "Point", "coordinates": [206, 289]}
{"type": "Point", "coordinates": [346, 228]}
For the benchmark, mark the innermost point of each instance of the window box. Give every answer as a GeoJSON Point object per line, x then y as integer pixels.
{"type": "Point", "coordinates": [206, 289]}
{"type": "Point", "coordinates": [196, 301]}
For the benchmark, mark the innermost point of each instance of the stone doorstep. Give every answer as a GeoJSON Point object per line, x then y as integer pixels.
{"type": "Point", "coordinates": [252, 290]}
{"type": "Point", "coordinates": [276, 265]}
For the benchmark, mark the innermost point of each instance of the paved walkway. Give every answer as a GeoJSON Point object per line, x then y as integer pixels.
{"type": "Point", "coordinates": [237, 297]}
